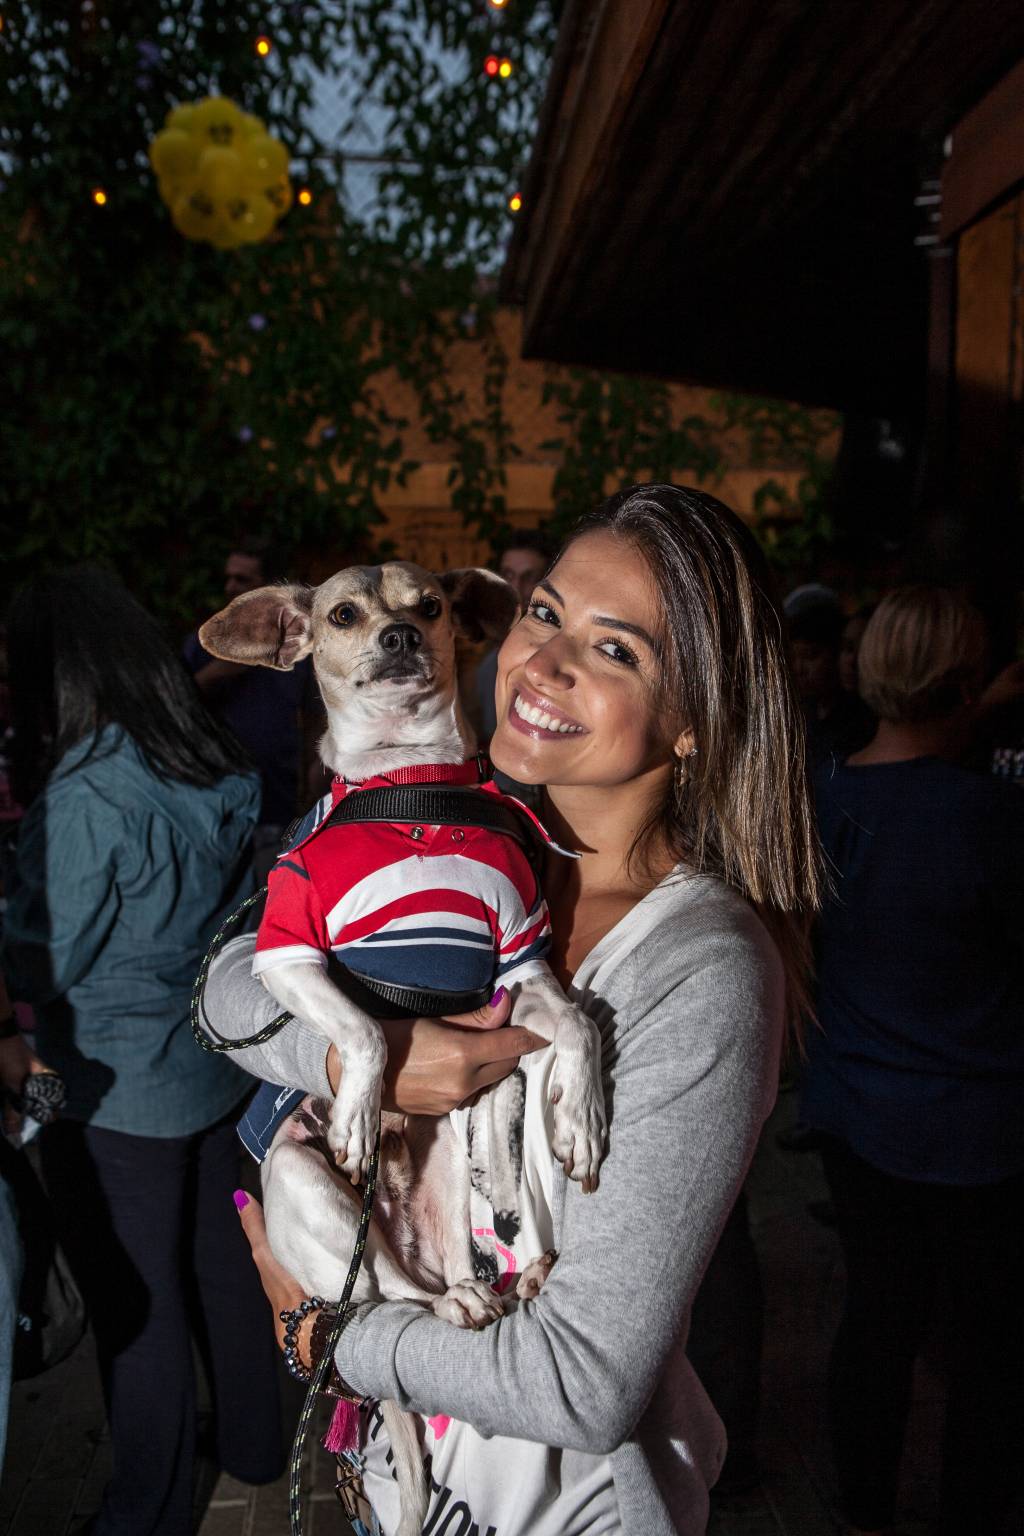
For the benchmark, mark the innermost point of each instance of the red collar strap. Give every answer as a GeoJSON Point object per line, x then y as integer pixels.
{"type": "Point", "coordinates": [476, 770]}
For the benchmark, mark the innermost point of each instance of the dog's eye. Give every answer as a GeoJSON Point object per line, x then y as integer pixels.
{"type": "Point", "coordinates": [342, 616]}
{"type": "Point", "coordinates": [430, 606]}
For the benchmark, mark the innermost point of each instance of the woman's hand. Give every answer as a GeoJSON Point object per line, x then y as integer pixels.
{"type": "Point", "coordinates": [281, 1289]}
{"type": "Point", "coordinates": [16, 1063]}
{"type": "Point", "coordinates": [434, 1065]}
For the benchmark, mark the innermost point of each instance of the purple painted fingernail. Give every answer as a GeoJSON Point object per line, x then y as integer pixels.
{"type": "Point", "coordinates": [240, 1198]}
{"type": "Point", "coordinates": [496, 999]}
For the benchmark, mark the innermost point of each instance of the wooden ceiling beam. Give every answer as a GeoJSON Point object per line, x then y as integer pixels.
{"type": "Point", "coordinates": [619, 41]}
{"type": "Point", "coordinates": [726, 191]}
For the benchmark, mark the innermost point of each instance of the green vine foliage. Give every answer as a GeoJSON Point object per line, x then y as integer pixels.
{"type": "Point", "coordinates": [161, 397]}
{"type": "Point", "coordinates": [618, 430]}
{"type": "Point", "coordinates": [798, 530]}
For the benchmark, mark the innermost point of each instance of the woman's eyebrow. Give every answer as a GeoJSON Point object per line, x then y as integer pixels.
{"type": "Point", "coordinates": [603, 620]}
{"type": "Point", "coordinates": [631, 629]}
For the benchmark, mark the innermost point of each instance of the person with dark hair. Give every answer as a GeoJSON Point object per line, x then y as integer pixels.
{"type": "Point", "coordinates": [915, 1079]}
{"type": "Point", "coordinates": [271, 713]}
{"type": "Point", "coordinates": [250, 563]}
{"type": "Point", "coordinates": [647, 688]}
{"type": "Point", "coordinates": [134, 845]}
{"type": "Point", "coordinates": [837, 721]}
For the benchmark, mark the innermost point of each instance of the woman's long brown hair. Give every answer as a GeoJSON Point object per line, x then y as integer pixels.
{"type": "Point", "coordinates": [743, 811]}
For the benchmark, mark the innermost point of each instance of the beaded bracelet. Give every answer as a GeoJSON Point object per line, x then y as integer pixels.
{"type": "Point", "coordinates": [335, 1385]}
{"type": "Point", "coordinates": [293, 1321]}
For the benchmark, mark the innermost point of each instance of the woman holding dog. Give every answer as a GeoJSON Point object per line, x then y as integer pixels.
{"type": "Point", "coordinates": [646, 687]}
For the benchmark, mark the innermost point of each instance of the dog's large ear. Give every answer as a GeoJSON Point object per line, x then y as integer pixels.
{"type": "Point", "coordinates": [271, 627]}
{"type": "Point", "coordinates": [484, 607]}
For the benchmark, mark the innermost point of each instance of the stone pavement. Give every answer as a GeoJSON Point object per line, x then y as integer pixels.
{"type": "Point", "coordinates": [58, 1454]}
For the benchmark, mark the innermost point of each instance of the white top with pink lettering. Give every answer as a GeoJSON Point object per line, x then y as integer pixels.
{"type": "Point", "coordinates": [499, 1486]}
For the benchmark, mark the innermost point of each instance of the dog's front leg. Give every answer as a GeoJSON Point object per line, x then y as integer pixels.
{"type": "Point", "coordinates": [307, 991]}
{"type": "Point", "coordinates": [577, 1091]}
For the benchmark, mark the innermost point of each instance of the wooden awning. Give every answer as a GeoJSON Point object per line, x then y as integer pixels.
{"type": "Point", "coordinates": [726, 190]}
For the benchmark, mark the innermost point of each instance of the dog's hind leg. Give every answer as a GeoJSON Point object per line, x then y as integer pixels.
{"type": "Point", "coordinates": [312, 1216]}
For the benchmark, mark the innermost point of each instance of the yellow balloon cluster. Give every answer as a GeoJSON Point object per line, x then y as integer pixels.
{"type": "Point", "coordinates": [222, 175]}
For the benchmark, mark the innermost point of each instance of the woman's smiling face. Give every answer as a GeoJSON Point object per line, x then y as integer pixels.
{"type": "Point", "coordinates": [580, 693]}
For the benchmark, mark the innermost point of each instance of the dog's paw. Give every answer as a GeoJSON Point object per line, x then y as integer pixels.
{"type": "Point", "coordinates": [534, 1275]}
{"type": "Point", "coordinates": [468, 1304]}
{"type": "Point", "coordinates": [581, 1131]}
{"type": "Point", "coordinates": [352, 1134]}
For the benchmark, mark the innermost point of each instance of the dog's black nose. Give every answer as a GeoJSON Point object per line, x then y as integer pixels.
{"type": "Point", "coordinates": [401, 638]}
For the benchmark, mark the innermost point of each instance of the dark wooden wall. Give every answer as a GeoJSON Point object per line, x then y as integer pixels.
{"type": "Point", "coordinates": [973, 466]}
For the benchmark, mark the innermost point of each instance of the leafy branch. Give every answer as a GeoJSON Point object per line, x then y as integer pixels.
{"type": "Point", "coordinates": [162, 397]}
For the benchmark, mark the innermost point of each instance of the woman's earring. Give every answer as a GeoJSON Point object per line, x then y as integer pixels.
{"type": "Point", "coordinates": [680, 773]}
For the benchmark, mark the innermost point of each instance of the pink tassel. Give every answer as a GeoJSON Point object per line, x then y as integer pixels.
{"type": "Point", "coordinates": [343, 1434]}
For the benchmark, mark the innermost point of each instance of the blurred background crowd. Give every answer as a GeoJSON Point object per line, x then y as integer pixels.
{"type": "Point", "coordinates": [127, 848]}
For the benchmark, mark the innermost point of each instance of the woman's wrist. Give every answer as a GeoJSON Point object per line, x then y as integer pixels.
{"type": "Point", "coordinates": [296, 1339]}
{"type": "Point", "coordinates": [308, 1333]}
{"type": "Point", "coordinates": [434, 1065]}
{"type": "Point", "coordinates": [333, 1066]}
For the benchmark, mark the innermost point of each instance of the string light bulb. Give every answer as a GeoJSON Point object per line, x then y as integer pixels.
{"type": "Point", "coordinates": [515, 202]}
{"type": "Point", "coordinates": [498, 5]}
{"type": "Point", "coordinates": [491, 65]}
{"type": "Point", "coordinates": [263, 46]}
{"type": "Point", "coordinates": [505, 68]}
{"type": "Point", "coordinates": [304, 196]}
{"type": "Point", "coordinates": [99, 197]}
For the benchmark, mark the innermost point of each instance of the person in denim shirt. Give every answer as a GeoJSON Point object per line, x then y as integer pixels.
{"type": "Point", "coordinates": [135, 844]}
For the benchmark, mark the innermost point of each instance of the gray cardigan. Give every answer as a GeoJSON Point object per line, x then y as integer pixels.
{"type": "Point", "coordinates": [688, 992]}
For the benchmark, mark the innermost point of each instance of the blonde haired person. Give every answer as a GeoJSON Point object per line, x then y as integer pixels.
{"type": "Point", "coordinates": [922, 661]}
{"type": "Point", "coordinates": [916, 1077]}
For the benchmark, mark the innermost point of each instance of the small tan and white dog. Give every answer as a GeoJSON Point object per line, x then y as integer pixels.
{"type": "Point", "coordinates": [382, 641]}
